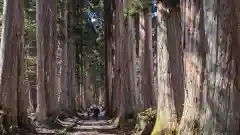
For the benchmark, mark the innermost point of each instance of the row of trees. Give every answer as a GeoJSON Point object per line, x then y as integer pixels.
{"type": "Point", "coordinates": [196, 56]}
{"type": "Point", "coordinates": [67, 51]}
{"type": "Point", "coordinates": [197, 63]}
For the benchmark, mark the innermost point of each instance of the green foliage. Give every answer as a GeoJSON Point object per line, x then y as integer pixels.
{"type": "Point", "coordinates": [136, 6]}
{"type": "Point", "coordinates": [31, 62]}
{"type": "Point", "coordinates": [90, 39]}
{"type": "Point", "coordinates": [149, 113]}
{"type": "Point", "coordinates": [145, 121]}
{"type": "Point", "coordinates": [86, 34]}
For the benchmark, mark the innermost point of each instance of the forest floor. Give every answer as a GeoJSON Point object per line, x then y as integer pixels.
{"type": "Point", "coordinates": [80, 126]}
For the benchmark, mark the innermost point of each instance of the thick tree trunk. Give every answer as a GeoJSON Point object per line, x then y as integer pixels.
{"type": "Point", "coordinates": [167, 52]}
{"type": "Point", "coordinates": [237, 2]}
{"type": "Point", "coordinates": [67, 96]}
{"type": "Point", "coordinates": [24, 106]}
{"type": "Point", "coordinates": [220, 93]}
{"type": "Point", "coordinates": [114, 70]}
{"type": "Point", "coordinates": [147, 80]}
{"type": "Point", "coordinates": [131, 62]}
{"type": "Point", "coordinates": [108, 16]}
{"type": "Point", "coordinates": [176, 59]}
{"type": "Point", "coordinates": [126, 73]}
{"type": "Point", "coordinates": [119, 109]}
{"type": "Point", "coordinates": [139, 29]}
{"type": "Point", "coordinates": [53, 93]}
{"type": "Point", "coordinates": [13, 88]}
{"type": "Point", "coordinates": [116, 89]}
{"type": "Point", "coordinates": [193, 65]}
{"type": "Point", "coordinates": [64, 45]}
{"type": "Point", "coordinates": [71, 57]}
{"type": "Point", "coordinates": [46, 45]}
{"type": "Point", "coordinates": [127, 64]}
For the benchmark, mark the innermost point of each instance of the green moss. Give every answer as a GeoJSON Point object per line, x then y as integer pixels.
{"type": "Point", "coordinates": [145, 121]}
{"type": "Point", "coordinates": [149, 114]}
{"type": "Point", "coordinates": [31, 60]}
{"type": "Point", "coordinates": [159, 129]}
{"type": "Point", "coordinates": [136, 6]}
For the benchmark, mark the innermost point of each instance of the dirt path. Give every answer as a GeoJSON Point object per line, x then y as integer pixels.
{"type": "Point", "coordinates": [92, 127]}
{"type": "Point", "coordinates": [76, 126]}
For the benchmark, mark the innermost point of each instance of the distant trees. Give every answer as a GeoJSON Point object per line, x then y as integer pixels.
{"type": "Point", "coordinates": [197, 62]}
{"type": "Point", "coordinates": [56, 60]}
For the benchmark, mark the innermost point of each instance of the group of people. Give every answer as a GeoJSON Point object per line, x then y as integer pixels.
{"type": "Point", "coordinates": [94, 111]}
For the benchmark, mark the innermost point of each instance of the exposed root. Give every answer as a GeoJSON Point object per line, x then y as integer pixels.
{"type": "Point", "coordinates": [116, 121]}
{"type": "Point", "coordinates": [190, 128]}
{"type": "Point", "coordinates": [145, 122]}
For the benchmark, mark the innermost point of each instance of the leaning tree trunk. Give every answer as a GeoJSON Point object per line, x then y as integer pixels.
{"type": "Point", "coordinates": [167, 52]}
{"type": "Point", "coordinates": [220, 93]}
{"type": "Point", "coordinates": [12, 70]}
{"type": "Point", "coordinates": [47, 103]}
{"type": "Point", "coordinates": [193, 65]}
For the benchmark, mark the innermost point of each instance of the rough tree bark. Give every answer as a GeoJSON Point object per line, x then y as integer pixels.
{"type": "Point", "coordinates": [147, 76]}
{"type": "Point", "coordinates": [131, 62]}
{"type": "Point", "coordinates": [117, 69]}
{"type": "Point", "coordinates": [176, 58]}
{"type": "Point", "coordinates": [140, 33]}
{"type": "Point", "coordinates": [71, 57]}
{"type": "Point", "coordinates": [119, 109]}
{"type": "Point", "coordinates": [220, 92]}
{"type": "Point", "coordinates": [53, 93]}
{"type": "Point", "coordinates": [193, 65]}
{"type": "Point", "coordinates": [46, 47]}
{"type": "Point", "coordinates": [128, 64]}
{"type": "Point", "coordinates": [64, 45]}
{"type": "Point", "coordinates": [168, 51]}
{"type": "Point", "coordinates": [108, 16]}
{"type": "Point", "coordinates": [13, 90]}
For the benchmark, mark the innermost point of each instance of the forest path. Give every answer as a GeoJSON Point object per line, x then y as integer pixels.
{"type": "Point", "coordinates": [84, 126]}
{"type": "Point", "coordinates": [92, 127]}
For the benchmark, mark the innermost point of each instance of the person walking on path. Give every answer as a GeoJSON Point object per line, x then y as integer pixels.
{"type": "Point", "coordinates": [96, 113]}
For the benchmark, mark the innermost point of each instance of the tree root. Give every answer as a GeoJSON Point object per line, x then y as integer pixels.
{"type": "Point", "coordinates": [190, 128]}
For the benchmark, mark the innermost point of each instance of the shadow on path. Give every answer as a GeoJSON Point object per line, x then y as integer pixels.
{"type": "Point", "coordinates": [83, 125]}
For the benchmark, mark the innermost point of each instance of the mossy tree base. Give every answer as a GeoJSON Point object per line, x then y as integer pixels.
{"type": "Point", "coordinates": [145, 122]}
{"type": "Point", "coordinates": [163, 127]}
{"type": "Point", "coordinates": [189, 127]}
